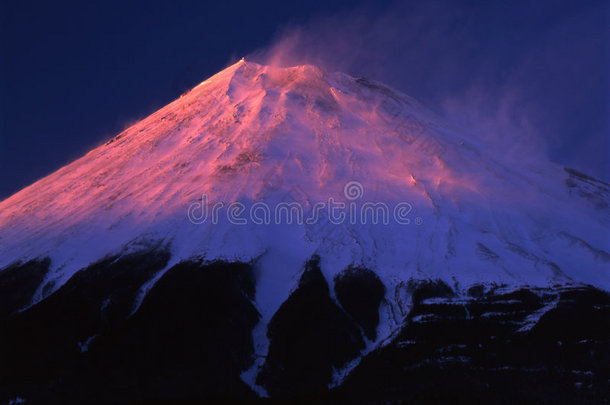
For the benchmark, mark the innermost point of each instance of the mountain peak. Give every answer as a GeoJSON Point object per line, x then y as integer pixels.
{"type": "Point", "coordinates": [257, 134]}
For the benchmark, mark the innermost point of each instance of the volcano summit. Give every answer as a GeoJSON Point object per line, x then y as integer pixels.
{"type": "Point", "coordinates": [296, 233]}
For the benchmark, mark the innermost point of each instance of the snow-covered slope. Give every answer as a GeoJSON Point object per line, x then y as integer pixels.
{"type": "Point", "coordinates": [254, 133]}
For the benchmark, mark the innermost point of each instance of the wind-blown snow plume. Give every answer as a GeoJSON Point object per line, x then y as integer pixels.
{"type": "Point", "coordinates": [509, 92]}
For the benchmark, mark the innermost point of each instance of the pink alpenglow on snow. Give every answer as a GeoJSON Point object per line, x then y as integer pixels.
{"type": "Point", "coordinates": [270, 135]}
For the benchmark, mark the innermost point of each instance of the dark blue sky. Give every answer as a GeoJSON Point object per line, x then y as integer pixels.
{"type": "Point", "coordinates": [73, 74]}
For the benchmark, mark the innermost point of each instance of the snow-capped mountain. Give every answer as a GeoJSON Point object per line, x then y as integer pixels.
{"type": "Point", "coordinates": [318, 181]}
{"type": "Point", "coordinates": [257, 133]}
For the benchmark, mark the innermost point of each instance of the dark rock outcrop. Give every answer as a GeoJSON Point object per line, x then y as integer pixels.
{"type": "Point", "coordinates": [191, 337]}
{"type": "Point", "coordinates": [18, 283]}
{"type": "Point", "coordinates": [310, 335]}
{"type": "Point", "coordinates": [360, 293]}
{"type": "Point", "coordinates": [492, 349]}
